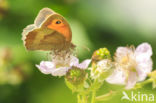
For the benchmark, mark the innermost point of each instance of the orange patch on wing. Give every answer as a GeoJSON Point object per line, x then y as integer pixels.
{"type": "Point", "coordinates": [64, 30]}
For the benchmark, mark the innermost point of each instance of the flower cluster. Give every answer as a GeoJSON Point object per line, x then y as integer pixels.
{"type": "Point", "coordinates": [130, 66]}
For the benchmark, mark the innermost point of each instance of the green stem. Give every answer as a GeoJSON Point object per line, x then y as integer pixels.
{"type": "Point", "coordinates": [95, 86]}
{"type": "Point", "coordinates": [146, 81]}
{"type": "Point", "coordinates": [79, 98]}
{"type": "Point", "coordinates": [84, 99]}
{"type": "Point", "coordinates": [93, 96]}
{"type": "Point", "coordinates": [105, 96]}
{"type": "Point", "coordinates": [141, 84]}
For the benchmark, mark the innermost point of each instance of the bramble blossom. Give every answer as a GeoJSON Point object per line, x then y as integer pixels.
{"type": "Point", "coordinates": [61, 64]}
{"type": "Point", "coordinates": [132, 65]}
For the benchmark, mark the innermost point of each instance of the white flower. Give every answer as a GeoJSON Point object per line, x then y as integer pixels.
{"type": "Point", "coordinates": [60, 65]}
{"type": "Point", "coordinates": [102, 70]}
{"type": "Point", "coordinates": [132, 65]}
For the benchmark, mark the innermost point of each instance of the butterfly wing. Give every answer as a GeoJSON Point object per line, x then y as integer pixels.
{"type": "Point", "coordinates": [41, 39]}
{"type": "Point", "coordinates": [38, 37]}
{"type": "Point", "coordinates": [42, 16]}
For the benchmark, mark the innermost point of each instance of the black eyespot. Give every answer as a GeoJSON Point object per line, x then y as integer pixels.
{"type": "Point", "coordinates": [58, 22]}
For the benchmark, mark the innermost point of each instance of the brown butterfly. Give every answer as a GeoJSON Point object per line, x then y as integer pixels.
{"type": "Point", "coordinates": [50, 31]}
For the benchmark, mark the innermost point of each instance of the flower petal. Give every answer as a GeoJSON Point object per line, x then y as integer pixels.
{"type": "Point", "coordinates": [60, 71]}
{"type": "Point", "coordinates": [122, 51]}
{"type": "Point", "coordinates": [132, 79]}
{"type": "Point", "coordinates": [143, 68]}
{"type": "Point", "coordinates": [144, 49]}
{"type": "Point", "coordinates": [143, 55]}
{"type": "Point", "coordinates": [74, 61]}
{"type": "Point", "coordinates": [84, 64]}
{"type": "Point", "coordinates": [117, 77]}
{"type": "Point", "coordinates": [46, 67]}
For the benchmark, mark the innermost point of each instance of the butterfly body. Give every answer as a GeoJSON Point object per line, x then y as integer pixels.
{"type": "Point", "coordinates": [50, 31]}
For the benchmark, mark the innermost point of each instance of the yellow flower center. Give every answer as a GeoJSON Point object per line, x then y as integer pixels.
{"type": "Point", "coordinates": [125, 60]}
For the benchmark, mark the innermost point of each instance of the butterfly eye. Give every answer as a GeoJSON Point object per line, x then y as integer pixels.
{"type": "Point", "coordinates": [58, 22]}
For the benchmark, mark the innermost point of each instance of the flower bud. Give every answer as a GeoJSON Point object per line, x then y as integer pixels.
{"type": "Point", "coordinates": [76, 76]}
{"type": "Point", "coordinates": [102, 53]}
{"type": "Point", "coordinates": [75, 79]}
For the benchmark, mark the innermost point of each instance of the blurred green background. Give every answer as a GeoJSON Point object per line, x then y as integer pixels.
{"type": "Point", "coordinates": [94, 23]}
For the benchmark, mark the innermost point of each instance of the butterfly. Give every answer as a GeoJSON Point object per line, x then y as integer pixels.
{"type": "Point", "coordinates": [50, 31]}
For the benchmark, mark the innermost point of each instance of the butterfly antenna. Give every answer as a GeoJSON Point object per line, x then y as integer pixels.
{"type": "Point", "coordinates": [86, 48]}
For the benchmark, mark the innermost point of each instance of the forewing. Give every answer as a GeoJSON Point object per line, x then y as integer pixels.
{"type": "Point", "coordinates": [43, 15]}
